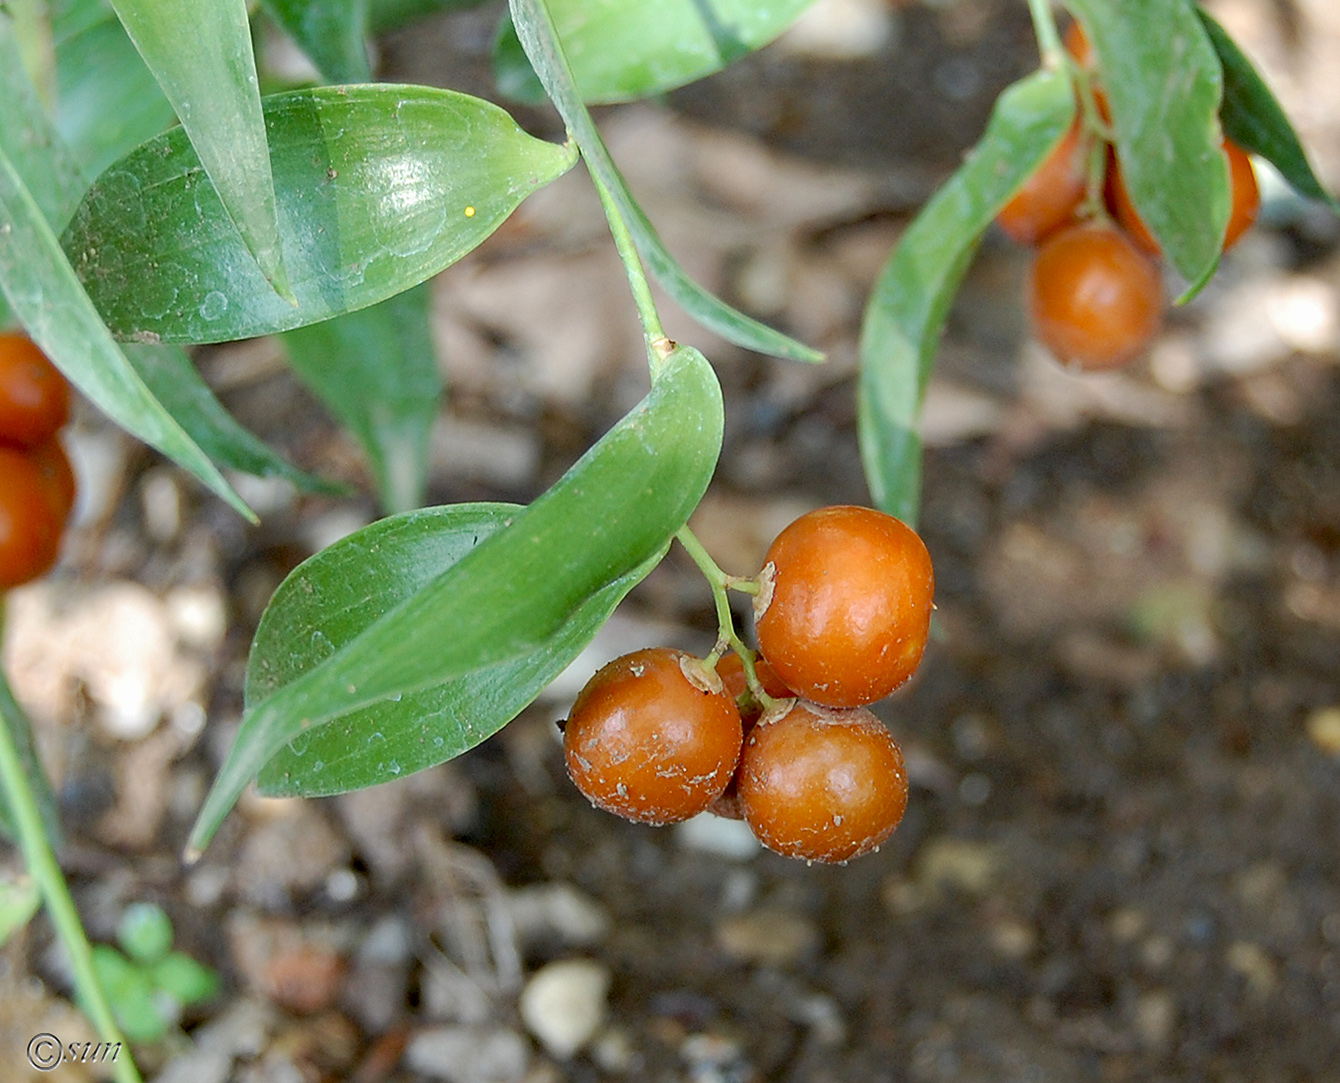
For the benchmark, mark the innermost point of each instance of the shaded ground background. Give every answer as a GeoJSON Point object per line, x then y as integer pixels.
{"type": "Point", "coordinates": [1122, 856]}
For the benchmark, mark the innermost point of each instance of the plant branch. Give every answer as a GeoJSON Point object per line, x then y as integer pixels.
{"type": "Point", "coordinates": [42, 864]}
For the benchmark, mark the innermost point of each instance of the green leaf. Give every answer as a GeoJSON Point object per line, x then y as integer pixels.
{"type": "Point", "coordinates": [1254, 120]}
{"type": "Point", "coordinates": [625, 49]}
{"type": "Point", "coordinates": [47, 297]}
{"type": "Point", "coordinates": [376, 370]}
{"type": "Point", "coordinates": [109, 101]}
{"type": "Point", "coordinates": [379, 187]}
{"type": "Point", "coordinates": [19, 899]}
{"type": "Point", "coordinates": [906, 311]}
{"type": "Point", "coordinates": [332, 34]}
{"type": "Point", "coordinates": [612, 512]}
{"type": "Point", "coordinates": [1163, 83]}
{"type": "Point", "coordinates": [184, 979]}
{"type": "Point", "coordinates": [201, 55]}
{"type": "Point", "coordinates": [28, 139]}
{"type": "Point", "coordinates": [536, 30]}
{"type": "Point", "coordinates": [145, 932]}
{"type": "Point", "coordinates": [343, 590]}
{"type": "Point", "coordinates": [131, 992]}
{"type": "Point", "coordinates": [174, 381]}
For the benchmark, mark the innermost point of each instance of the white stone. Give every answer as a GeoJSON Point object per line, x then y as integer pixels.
{"type": "Point", "coordinates": [563, 1004]}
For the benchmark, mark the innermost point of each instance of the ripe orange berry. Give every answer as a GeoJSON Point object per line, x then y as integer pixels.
{"type": "Point", "coordinates": [652, 737]}
{"type": "Point", "coordinates": [845, 606]}
{"type": "Point", "coordinates": [1095, 299]}
{"type": "Point", "coordinates": [54, 466]}
{"type": "Point", "coordinates": [1077, 45]}
{"type": "Point", "coordinates": [1242, 183]}
{"type": "Point", "coordinates": [30, 527]}
{"type": "Point", "coordinates": [34, 397]}
{"type": "Point", "coordinates": [1048, 199]}
{"type": "Point", "coordinates": [1081, 51]}
{"type": "Point", "coordinates": [821, 784]}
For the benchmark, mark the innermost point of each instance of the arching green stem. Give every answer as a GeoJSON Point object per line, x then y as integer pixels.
{"type": "Point", "coordinates": [1044, 26]}
{"type": "Point", "coordinates": [727, 637]}
{"type": "Point", "coordinates": [658, 346]}
{"type": "Point", "coordinates": [42, 864]}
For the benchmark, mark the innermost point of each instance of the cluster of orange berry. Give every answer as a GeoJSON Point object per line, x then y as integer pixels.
{"type": "Point", "coordinates": [1095, 294]}
{"type": "Point", "coordinates": [36, 482]}
{"type": "Point", "coordinates": [842, 614]}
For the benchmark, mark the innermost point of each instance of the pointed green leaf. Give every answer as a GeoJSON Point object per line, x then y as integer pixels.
{"type": "Point", "coordinates": [612, 512]}
{"type": "Point", "coordinates": [28, 139]}
{"type": "Point", "coordinates": [173, 380]}
{"type": "Point", "coordinates": [1163, 83]}
{"type": "Point", "coordinates": [376, 370]}
{"type": "Point", "coordinates": [45, 294]}
{"type": "Point", "coordinates": [1254, 120]}
{"type": "Point", "coordinates": [332, 34]}
{"type": "Point", "coordinates": [906, 311]}
{"type": "Point", "coordinates": [201, 55]}
{"type": "Point", "coordinates": [535, 28]}
{"type": "Point", "coordinates": [625, 49]}
{"type": "Point", "coordinates": [380, 187]}
{"type": "Point", "coordinates": [344, 589]}
{"type": "Point", "coordinates": [109, 102]}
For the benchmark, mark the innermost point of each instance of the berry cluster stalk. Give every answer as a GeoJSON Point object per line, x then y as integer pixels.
{"type": "Point", "coordinates": [42, 864]}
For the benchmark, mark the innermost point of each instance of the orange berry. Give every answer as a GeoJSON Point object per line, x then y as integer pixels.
{"type": "Point", "coordinates": [34, 397]}
{"type": "Point", "coordinates": [54, 466]}
{"type": "Point", "coordinates": [1245, 192]}
{"type": "Point", "coordinates": [652, 737]}
{"type": "Point", "coordinates": [845, 606]}
{"type": "Point", "coordinates": [1049, 197]}
{"type": "Point", "coordinates": [30, 527]}
{"type": "Point", "coordinates": [821, 784]}
{"type": "Point", "coordinates": [1095, 299]}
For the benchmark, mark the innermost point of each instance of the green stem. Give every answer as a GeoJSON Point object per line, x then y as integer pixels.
{"type": "Point", "coordinates": [42, 864]}
{"type": "Point", "coordinates": [1049, 38]}
{"type": "Point", "coordinates": [727, 637]}
{"type": "Point", "coordinates": [658, 346]}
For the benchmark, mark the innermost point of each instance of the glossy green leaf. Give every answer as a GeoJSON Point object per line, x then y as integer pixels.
{"type": "Point", "coordinates": [906, 310]}
{"type": "Point", "coordinates": [344, 589]}
{"type": "Point", "coordinates": [109, 102]}
{"type": "Point", "coordinates": [1163, 83]}
{"type": "Point", "coordinates": [332, 34]}
{"type": "Point", "coordinates": [201, 55]}
{"type": "Point", "coordinates": [625, 49]}
{"type": "Point", "coordinates": [43, 291]}
{"type": "Point", "coordinates": [28, 139]}
{"type": "Point", "coordinates": [384, 15]}
{"type": "Point", "coordinates": [380, 187]}
{"type": "Point", "coordinates": [376, 370]}
{"type": "Point", "coordinates": [538, 37]}
{"type": "Point", "coordinates": [514, 593]}
{"type": "Point", "coordinates": [173, 380]}
{"type": "Point", "coordinates": [1254, 120]}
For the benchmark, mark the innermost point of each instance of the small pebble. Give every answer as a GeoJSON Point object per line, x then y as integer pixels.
{"type": "Point", "coordinates": [469, 1054]}
{"type": "Point", "coordinates": [563, 1004]}
{"type": "Point", "coordinates": [1323, 727]}
{"type": "Point", "coordinates": [769, 937]}
{"type": "Point", "coordinates": [717, 835]}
